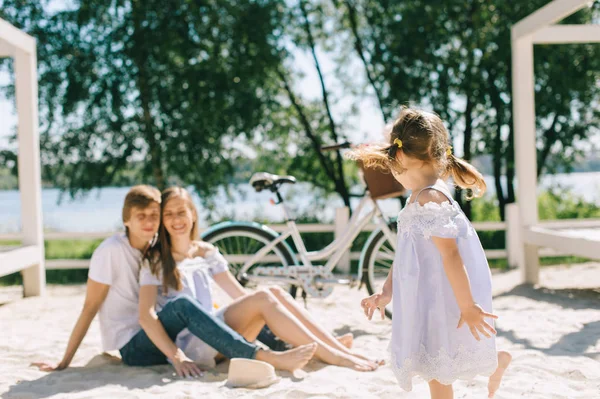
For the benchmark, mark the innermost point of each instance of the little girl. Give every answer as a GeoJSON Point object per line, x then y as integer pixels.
{"type": "Point", "coordinates": [440, 280]}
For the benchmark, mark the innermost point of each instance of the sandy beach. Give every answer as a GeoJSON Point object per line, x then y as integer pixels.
{"type": "Point", "coordinates": [553, 333]}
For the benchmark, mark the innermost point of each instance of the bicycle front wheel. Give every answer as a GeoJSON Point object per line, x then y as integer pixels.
{"type": "Point", "coordinates": [238, 242]}
{"type": "Point", "coordinates": [378, 261]}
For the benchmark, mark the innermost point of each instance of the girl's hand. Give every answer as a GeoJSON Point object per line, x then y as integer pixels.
{"type": "Point", "coordinates": [44, 366]}
{"type": "Point", "coordinates": [376, 301]}
{"type": "Point", "coordinates": [184, 367]}
{"type": "Point", "coordinates": [474, 316]}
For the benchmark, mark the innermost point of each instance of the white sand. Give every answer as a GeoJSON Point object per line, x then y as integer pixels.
{"type": "Point", "coordinates": [553, 334]}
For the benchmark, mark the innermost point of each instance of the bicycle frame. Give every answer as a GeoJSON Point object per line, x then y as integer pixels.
{"type": "Point", "coordinates": [337, 248]}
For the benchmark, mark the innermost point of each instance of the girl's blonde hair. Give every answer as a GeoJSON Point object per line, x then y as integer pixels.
{"type": "Point", "coordinates": [420, 135]}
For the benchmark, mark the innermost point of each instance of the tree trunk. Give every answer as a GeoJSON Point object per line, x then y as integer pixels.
{"type": "Point", "coordinates": [360, 50]}
{"type": "Point", "coordinates": [140, 57]}
{"type": "Point", "coordinates": [340, 181]}
{"type": "Point", "coordinates": [549, 139]}
{"type": "Point", "coordinates": [510, 166]}
{"type": "Point", "coordinates": [497, 147]}
{"type": "Point", "coordinates": [510, 152]}
{"type": "Point", "coordinates": [314, 139]}
{"type": "Point", "coordinates": [466, 205]}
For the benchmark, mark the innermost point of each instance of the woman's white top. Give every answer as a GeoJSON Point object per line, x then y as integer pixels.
{"type": "Point", "coordinates": [196, 278]}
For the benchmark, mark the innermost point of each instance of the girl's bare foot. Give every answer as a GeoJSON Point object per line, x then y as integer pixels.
{"type": "Point", "coordinates": [289, 360]}
{"type": "Point", "coordinates": [347, 340]}
{"type": "Point", "coordinates": [504, 359]}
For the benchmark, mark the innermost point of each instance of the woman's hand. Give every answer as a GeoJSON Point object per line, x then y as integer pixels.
{"type": "Point", "coordinates": [44, 366]}
{"type": "Point", "coordinates": [374, 302]}
{"type": "Point", "coordinates": [184, 366]}
{"type": "Point", "coordinates": [474, 316]}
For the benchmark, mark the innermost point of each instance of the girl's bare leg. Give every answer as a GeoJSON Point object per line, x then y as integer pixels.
{"type": "Point", "coordinates": [440, 391]}
{"type": "Point", "coordinates": [311, 324]}
{"type": "Point", "coordinates": [504, 359]}
{"type": "Point", "coordinates": [263, 305]}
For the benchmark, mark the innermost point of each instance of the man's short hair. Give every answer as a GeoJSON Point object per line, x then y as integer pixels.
{"type": "Point", "coordinates": [141, 197]}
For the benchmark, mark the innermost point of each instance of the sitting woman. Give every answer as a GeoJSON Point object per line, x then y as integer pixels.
{"type": "Point", "coordinates": [179, 265]}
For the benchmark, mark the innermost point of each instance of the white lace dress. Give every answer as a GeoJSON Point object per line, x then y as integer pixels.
{"type": "Point", "coordinates": [425, 341]}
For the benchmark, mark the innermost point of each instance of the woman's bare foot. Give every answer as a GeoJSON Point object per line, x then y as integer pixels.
{"type": "Point", "coordinates": [347, 340]}
{"type": "Point", "coordinates": [356, 363]}
{"type": "Point", "coordinates": [379, 362]}
{"type": "Point", "coordinates": [504, 359]}
{"type": "Point", "coordinates": [289, 360]}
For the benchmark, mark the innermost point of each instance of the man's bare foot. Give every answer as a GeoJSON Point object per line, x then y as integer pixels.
{"type": "Point", "coordinates": [289, 360]}
{"type": "Point", "coordinates": [347, 340]}
{"type": "Point", "coordinates": [504, 359]}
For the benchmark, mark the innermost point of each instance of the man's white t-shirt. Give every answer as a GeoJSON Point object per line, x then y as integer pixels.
{"type": "Point", "coordinates": [116, 263]}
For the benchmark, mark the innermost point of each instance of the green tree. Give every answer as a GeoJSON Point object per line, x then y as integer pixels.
{"type": "Point", "coordinates": [296, 127]}
{"type": "Point", "coordinates": [455, 56]}
{"type": "Point", "coordinates": [166, 85]}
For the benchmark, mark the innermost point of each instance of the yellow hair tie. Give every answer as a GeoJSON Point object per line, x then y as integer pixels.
{"type": "Point", "coordinates": [449, 150]}
{"type": "Point", "coordinates": [398, 142]}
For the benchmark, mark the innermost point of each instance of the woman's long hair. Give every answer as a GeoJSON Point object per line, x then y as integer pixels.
{"type": "Point", "coordinates": [160, 256]}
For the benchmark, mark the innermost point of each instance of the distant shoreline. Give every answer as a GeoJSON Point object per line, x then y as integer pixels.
{"type": "Point", "coordinates": [10, 183]}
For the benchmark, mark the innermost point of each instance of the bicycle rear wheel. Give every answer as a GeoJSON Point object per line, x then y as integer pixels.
{"type": "Point", "coordinates": [378, 261]}
{"type": "Point", "coordinates": [236, 242]}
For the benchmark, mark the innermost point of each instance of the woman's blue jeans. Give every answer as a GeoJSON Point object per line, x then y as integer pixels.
{"type": "Point", "coordinates": [185, 312]}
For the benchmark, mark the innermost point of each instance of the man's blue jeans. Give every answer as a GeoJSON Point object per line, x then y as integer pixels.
{"type": "Point", "coordinates": [185, 312]}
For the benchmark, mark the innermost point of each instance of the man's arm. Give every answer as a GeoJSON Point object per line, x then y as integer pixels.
{"type": "Point", "coordinates": [95, 295]}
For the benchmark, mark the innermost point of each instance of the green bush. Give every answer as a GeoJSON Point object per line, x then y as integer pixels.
{"type": "Point", "coordinates": [58, 249]}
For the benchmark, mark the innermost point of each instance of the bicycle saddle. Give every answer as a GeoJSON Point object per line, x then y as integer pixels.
{"type": "Point", "coordinates": [263, 180]}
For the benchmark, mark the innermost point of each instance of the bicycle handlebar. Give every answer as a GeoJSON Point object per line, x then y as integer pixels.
{"type": "Point", "coordinates": [335, 147]}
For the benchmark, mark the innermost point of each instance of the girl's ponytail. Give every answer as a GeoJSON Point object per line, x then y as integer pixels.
{"type": "Point", "coordinates": [466, 176]}
{"type": "Point", "coordinates": [372, 156]}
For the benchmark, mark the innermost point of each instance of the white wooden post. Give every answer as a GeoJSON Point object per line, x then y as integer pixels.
{"type": "Point", "coordinates": [525, 149]}
{"type": "Point", "coordinates": [342, 215]}
{"type": "Point", "coordinates": [514, 243]}
{"type": "Point", "coordinates": [34, 278]}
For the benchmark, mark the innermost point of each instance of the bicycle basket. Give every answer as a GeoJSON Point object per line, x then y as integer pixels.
{"type": "Point", "coordinates": [381, 185]}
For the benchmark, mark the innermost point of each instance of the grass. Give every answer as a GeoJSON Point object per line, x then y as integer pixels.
{"type": "Point", "coordinates": [555, 203]}
{"type": "Point", "coordinates": [545, 261]}
{"type": "Point", "coordinates": [83, 249]}
{"type": "Point", "coordinates": [58, 249]}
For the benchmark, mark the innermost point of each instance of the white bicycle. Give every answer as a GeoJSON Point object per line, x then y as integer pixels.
{"type": "Point", "coordinates": [257, 254]}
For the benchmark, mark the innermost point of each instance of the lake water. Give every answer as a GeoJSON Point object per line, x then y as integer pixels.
{"type": "Point", "coordinates": [100, 210]}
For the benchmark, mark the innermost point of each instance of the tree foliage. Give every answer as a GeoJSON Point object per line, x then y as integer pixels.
{"type": "Point", "coordinates": [166, 85]}
{"type": "Point", "coordinates": [182, 91]}
{"type": "Point", "coordinates": [455, 57]}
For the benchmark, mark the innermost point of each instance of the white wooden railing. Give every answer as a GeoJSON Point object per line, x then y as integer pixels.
{"type": "Point", "coordinates": [53, 264]}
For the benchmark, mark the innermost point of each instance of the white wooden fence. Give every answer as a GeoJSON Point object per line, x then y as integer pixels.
{"type": "Point", "coordinates": [511, 232]}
